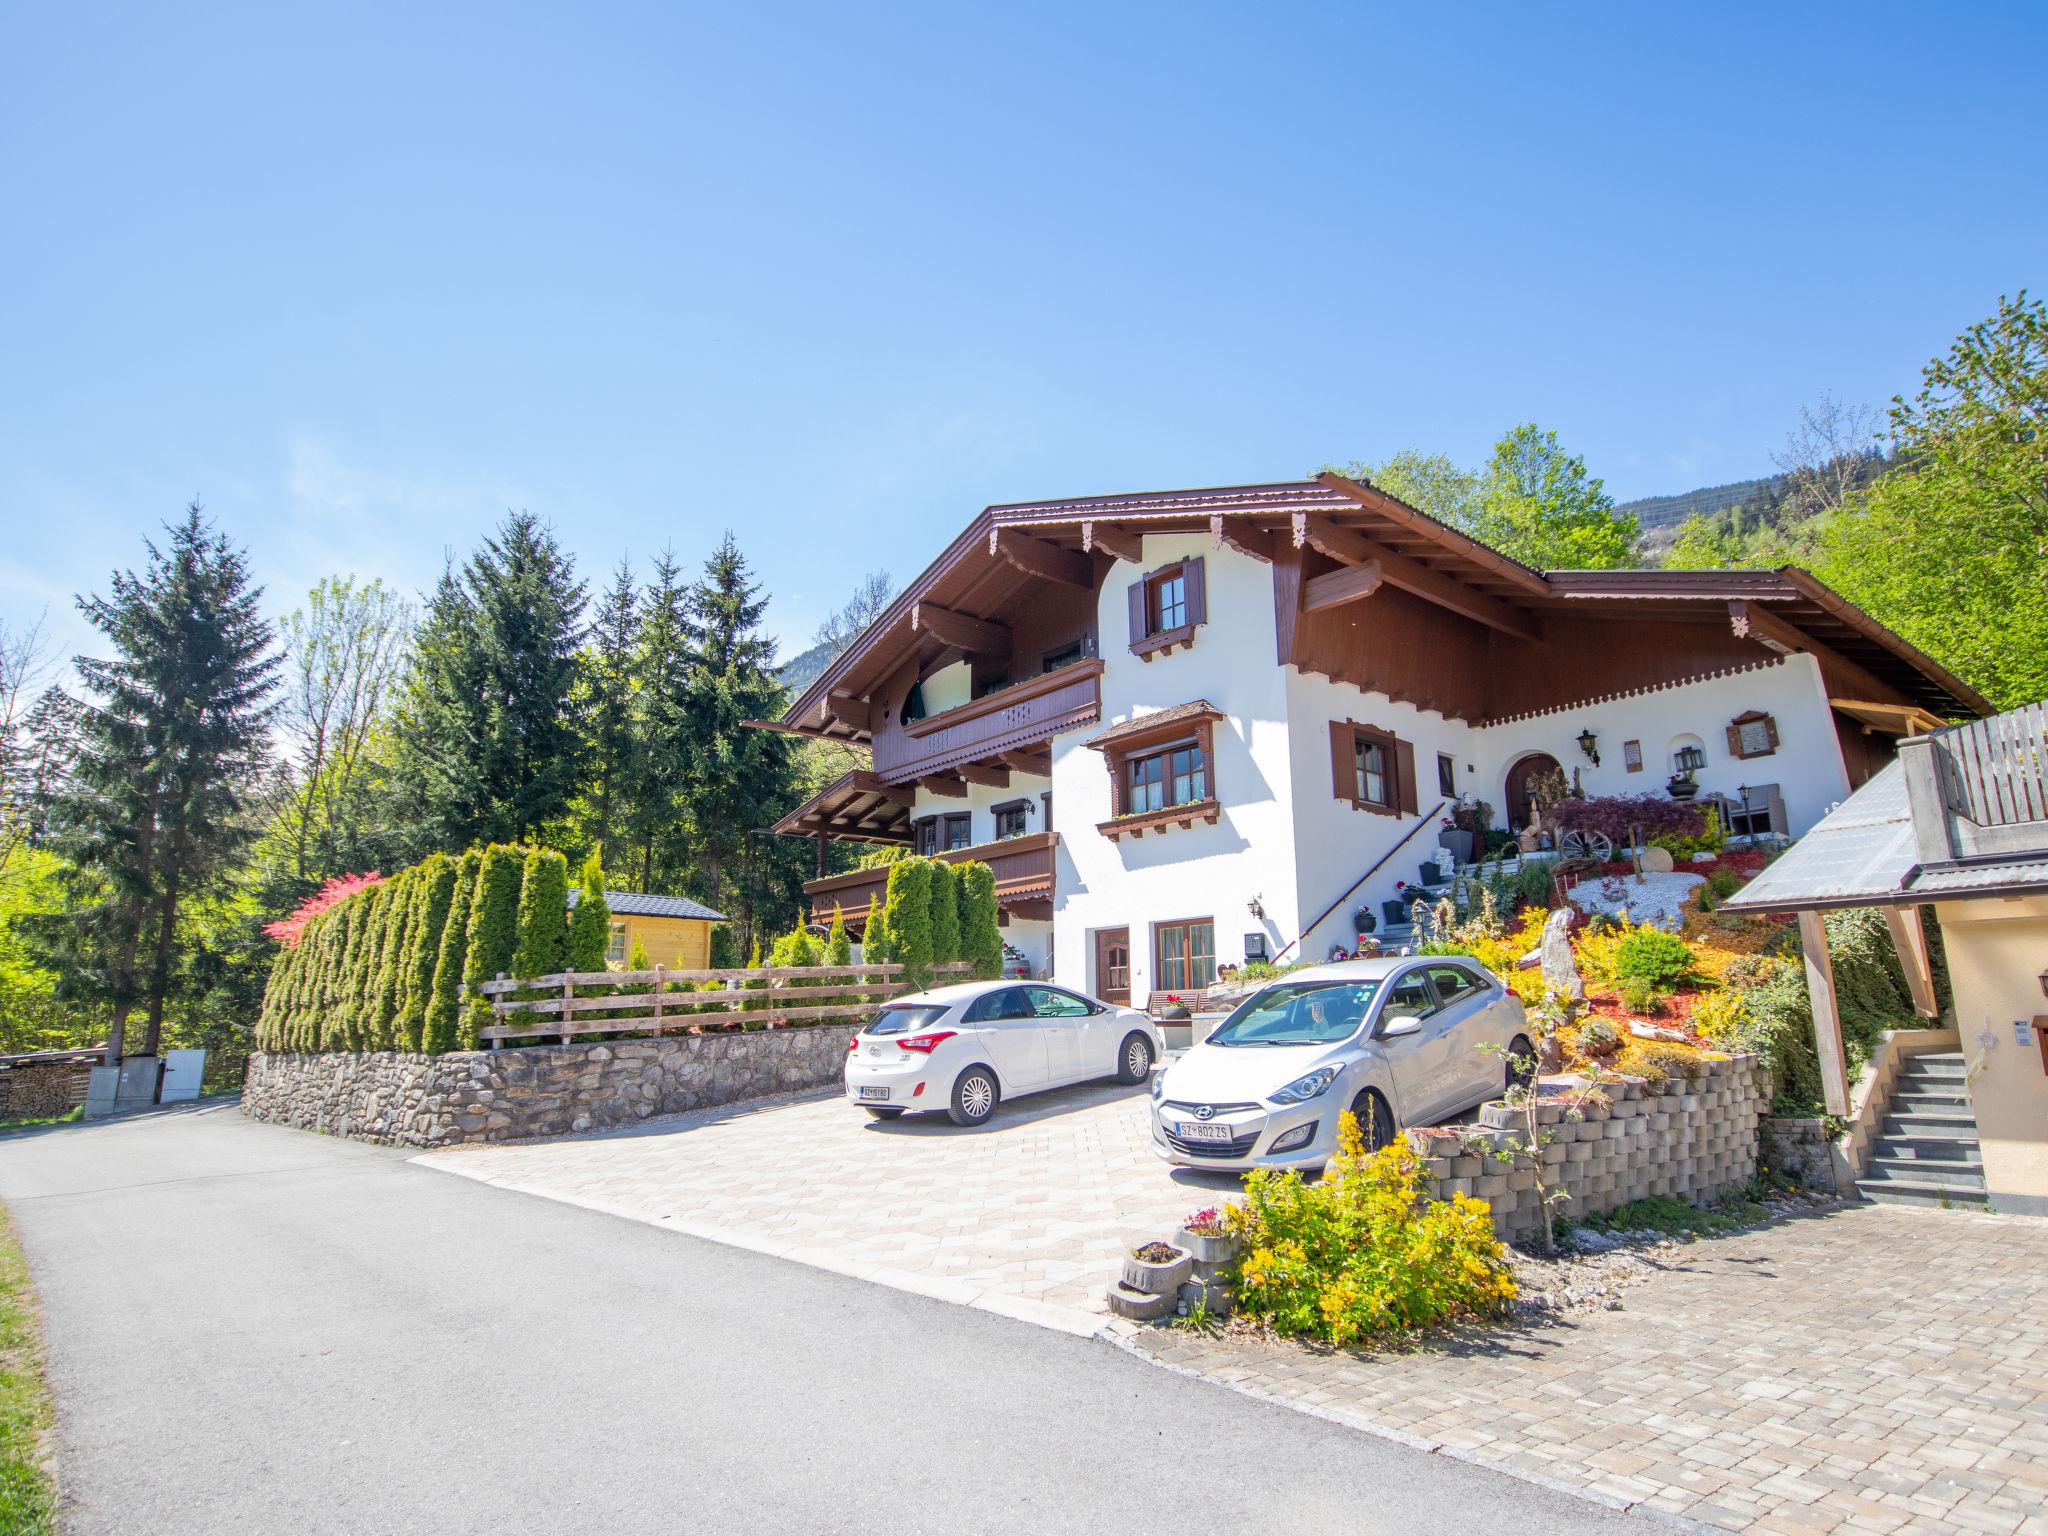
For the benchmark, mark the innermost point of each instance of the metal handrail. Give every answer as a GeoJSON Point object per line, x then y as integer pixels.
{"type": "Point", "coordinates": [1377, 866]}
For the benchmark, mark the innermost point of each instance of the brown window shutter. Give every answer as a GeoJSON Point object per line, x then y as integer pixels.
{"type": "Point", "coordinates": [1137, 600]}
{"type": "Point", "coordinates": [1404, 776]}
{"type": "Point", "coordinates": [1771, 730]}
{"type": "Point", "coordinates": [1194, 573]}
{"type": "Point", "coordinates": [1735, 741]}
{"type": "Point", "coordinates": [1343, 770]}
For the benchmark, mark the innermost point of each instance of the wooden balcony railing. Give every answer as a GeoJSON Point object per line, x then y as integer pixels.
{"type": "Point", "coordinates": [1023, 867]}
{"type": "Point", "coordinates": [1009, 720]}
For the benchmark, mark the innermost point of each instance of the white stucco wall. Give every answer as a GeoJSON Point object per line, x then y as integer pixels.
{"type": "Point", "coordinates": [1807, 767]}
{"type": "Point", "coordinates": [947, 687]}
{"type": "Point", "coordinates": [1184, 872]}
{"type": "Point", "coordinates": [981, 799]}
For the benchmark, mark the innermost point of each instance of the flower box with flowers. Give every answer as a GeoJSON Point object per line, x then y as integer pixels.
{"type": "Point", "coordinates": [1202, 1234]}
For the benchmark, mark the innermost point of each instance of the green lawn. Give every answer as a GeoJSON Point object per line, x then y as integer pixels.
{"type": "Point", "coordinates": [28, 1500]}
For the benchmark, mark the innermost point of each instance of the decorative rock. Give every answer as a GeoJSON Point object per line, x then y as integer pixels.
{"type": "Point", "coordinates": [1658, 861]}
{"type": "Point", "coordinates": [1554, 954]}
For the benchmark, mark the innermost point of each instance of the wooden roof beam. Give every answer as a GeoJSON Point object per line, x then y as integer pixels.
{"type": "Point", "coordinates": [977, 773]}
{"type": "Point", "coordinates": [1035, 557]}
{"type": "Point", "coordinates": [1245, 539]}
{"type": "Point", "coordinates": [1039, 763]}
{"type": "Point", "coordinates": [977, 637]}
{"type": "Point", "coordinates": [1844, 678]}
{"type": "Point", "coordinates": [1349, 547]}
{"type": "Point", "coordinates": [945, 784]}
{"type": "Point", "coordinates": [1346, 584]}
{"type": "Point", "coordinates": [1115, 539]}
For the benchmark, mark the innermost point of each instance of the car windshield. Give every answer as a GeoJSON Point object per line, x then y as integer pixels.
{"type": "Point", "coordinates": [907, 1019]}
{"type": "Point", "coordinates": [1298, 1013]}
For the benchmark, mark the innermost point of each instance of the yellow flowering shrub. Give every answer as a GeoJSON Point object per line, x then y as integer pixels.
{"type": "Point", "coordinates": [1658, 1061]}
{"type": "Point", "coordinates": [1360, 1252]}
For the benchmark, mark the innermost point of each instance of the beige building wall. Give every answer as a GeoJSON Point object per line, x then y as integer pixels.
{"type": "Point", "coordinates": [1997, 951]}
{"type": "Point", "coordinates": [678, 943]}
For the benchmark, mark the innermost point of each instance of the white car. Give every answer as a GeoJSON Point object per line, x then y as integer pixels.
{"type": "Point", "coordinates": [1397, 1041]}
{"type": "Point", "coordinates": [964, 1049]}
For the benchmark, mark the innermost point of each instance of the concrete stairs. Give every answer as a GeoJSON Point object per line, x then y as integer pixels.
{"type": "Point", "coordinates": [1926, 1152]}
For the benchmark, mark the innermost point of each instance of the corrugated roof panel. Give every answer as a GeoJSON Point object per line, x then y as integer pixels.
{"type": "Point", "coordinates": [1862, 851]}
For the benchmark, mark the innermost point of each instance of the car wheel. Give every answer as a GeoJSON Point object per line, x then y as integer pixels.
{"type": "Point", "coordinates": [1375, 1120]}
{"type": "Point", "coordinates": [883, 1111]}
{"type": "Point", "coordinates": [1521, 1062]}
{"type": "Point", "coordinates": [974, 1096]}
{"type": "Point", "coordinates": [1134, 1059]}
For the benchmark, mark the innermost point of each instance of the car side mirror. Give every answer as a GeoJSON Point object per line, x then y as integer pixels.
{"type": "Point", "coordinates": [1402, 1024]}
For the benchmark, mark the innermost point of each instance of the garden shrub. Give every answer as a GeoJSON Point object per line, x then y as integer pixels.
{"type": "Point", "coordinates": [543, 948]}
{"type": "Point", "coordinates": [493, 931]}
{"type": "Point", "coordinates": [1654, 957]}
{"type": "Point", "coordinates": [945, 898]}
{"type": "Point", "coordinates": [725, 953]}
{"type": "Point", "coordinates": [436, 890]}
{"type": "Point", "coordinates": [1658, 1061]}
{"type": "Point", "coordinates": [445, 1003]}
{"type": "Point", "coordinates": [1639, 996]}
{"type": "Point", "coordinates": [590, 930]}
{"type": "Point", "coordinates": [1621, 817]}
{"type": "Point", "coordinates": [981, 940]}
{"type": "Point", "coordinates": [1360, 1253]}
{"type": "Point", "coordinates": [1711, 838]}
{"type": "Point", "coordinates": [907, 913]}
{"type": "Point", "coordinates": [637, 958]}
{"type": "Point", "coordinates": [391, 963]}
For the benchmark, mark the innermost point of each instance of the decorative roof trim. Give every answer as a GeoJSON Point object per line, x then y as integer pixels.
{"type": "Point", "coordinates": [1159, 721]}
{"type": "Point", "coordinates": [1632, 693]}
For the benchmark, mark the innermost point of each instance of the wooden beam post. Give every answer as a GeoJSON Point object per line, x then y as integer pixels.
{"type": "Point", "coordinates": [1827, 1013]}
{"type": "Point", "coordinates": [1346, 584]}
{"type": "Point", "coordinates": [977, 773]}
{"type": "Point", "coordinates": [1114, 539]}
{"type": "Point", "coordinates": [1909, 937]}
{"type": "Point", "coordinates": [1843, 677]}
{"type": "Point", "coordinates": [1035, 557]}
{"type": "Point", "coordinates": [978, 637]}
{"type": "Point", "coordinates": [945, 784]}
{"type": "Point", "coordinates": [821, 856]}
{"type": "Point", "coordinates": [1349, 547]}
{"type": "Point", "coordinates": [1246, 540]}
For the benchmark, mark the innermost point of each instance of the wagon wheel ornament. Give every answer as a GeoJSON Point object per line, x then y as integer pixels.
{"type": "Point", "coordinates": [1588, 845]}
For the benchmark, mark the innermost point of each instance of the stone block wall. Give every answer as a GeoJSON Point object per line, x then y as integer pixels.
{"type": "Point", "coordinates": [1798, 1147]}
{"type": "Point", "coordinates": [1692, 1139]}
{"type": "Point", "coordinates": [547, 1090]}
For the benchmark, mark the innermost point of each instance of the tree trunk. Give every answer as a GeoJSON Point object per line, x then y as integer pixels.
{"type": "Point", "coordinates": [160, 972]}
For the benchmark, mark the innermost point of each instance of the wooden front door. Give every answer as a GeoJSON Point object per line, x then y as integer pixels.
{"type": "Point", "coordinates": [1519, 810]}
{"type": "Point", "coordinates": [1113, 965]}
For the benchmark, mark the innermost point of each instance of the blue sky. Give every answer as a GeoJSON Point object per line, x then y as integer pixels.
{"type": "Point", "coordinates": [837, 277]}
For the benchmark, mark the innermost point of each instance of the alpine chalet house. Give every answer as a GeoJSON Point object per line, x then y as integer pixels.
{"type": "Point", "coordinates": [1188, 728]}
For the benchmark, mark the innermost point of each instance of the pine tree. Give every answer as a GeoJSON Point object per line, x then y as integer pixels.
{"type": "Point", "coordinates": [445, 1006]}
{"type": "Point", "coordinates": [436, 889]}
{"type": "Point", "coordinates": [732, 777]}
{"type": "Point", "coordinates": [543, 915]}
{"type": "Point", "coordinates": [490, 743]}
{"type": "Point", "coordinates": [493, 929]}
{"type": "Point", "coordinates": [590, 930]}
{"type": "Point", "coordinates": [608, 705]}
{"type": "Point", "coordinates": [945, 914]}
{"type": "Point", "coordinates": [152, 814]}
{"type": "Point", "coordinates": [981, 940]}
{"type": "Point", "coordinates": [661, 725]}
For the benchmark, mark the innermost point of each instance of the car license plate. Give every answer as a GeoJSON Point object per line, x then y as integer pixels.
{"type": "Point", "coordinates": [874, 1093]}
{"type": "Point", "coordinates": [1197, 1130]}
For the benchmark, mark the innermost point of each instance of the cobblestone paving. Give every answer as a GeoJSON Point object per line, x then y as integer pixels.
{"type": "Point", "coordinates": [1028, 1216]}
{"type": "Point", "coordinates": [1867, 1369]}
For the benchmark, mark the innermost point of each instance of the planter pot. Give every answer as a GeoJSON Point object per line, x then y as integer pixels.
{"type": "Point", "coordinates": [1682, 788]}
{"type": "Point", "coordinates": [1396, 911]}
{"type": "Point", "coordinates": [1197, 1295]}
{"type": "Point", "coordinates": [1158, 1279]}
{"type": "Point", "coordinates": [1205, 1249]}
{"type": "Point", "coordinates": [1362, 921]}
{"type": "Point", "coordinates": [1139, 1306]}
{"type": "Point", "coordinates": [1459, 841]}
{"type": "Point", "coordinates": [1178, 1036]}
{"type": "Point", "coordinates": [1175, 1012]}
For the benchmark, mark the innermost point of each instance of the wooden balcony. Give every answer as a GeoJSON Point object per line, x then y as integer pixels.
{"type": "Point", "coordinates": [1012, 720]}
{"type": "Point", "coordinates": [1023, 868]}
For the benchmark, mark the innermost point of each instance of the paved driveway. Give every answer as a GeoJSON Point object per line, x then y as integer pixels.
{"type": "Point", "coordinates": [1027, 1216]}
{"type": "Point", "coordinates": [257, 1330]}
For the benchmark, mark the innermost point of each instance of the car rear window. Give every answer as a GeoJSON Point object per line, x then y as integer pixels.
{"type": "Point", "coordinates": [905, 1020]}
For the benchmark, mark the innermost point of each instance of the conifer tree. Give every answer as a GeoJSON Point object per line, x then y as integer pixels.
{"type": "Point", "coordinates": [945, 914]}
{"type": "Point", "coordinates": [636, 957]}
{"type": "Point", "coordinates": [445, 1005]}
{"type": "Point", "coordinates": [908, 914]}
{"type": "Point", "coordinates": [382, 1014]}
{"type": "Point", "coordinates": [608, 707]}
{"type": "Point", "coordinates": [652, 813]}
{"type": "Point", "coordinates": [838, 948]}
{"type": "Point", "coordinates": [166, 760]}
{"type": "Point", "coordinates": [369, 940]}
{"type": "Point", "coordinates": [493, 928]}
{"type": "Point", "coordinates": [981, 940]}
{"type": "Point", "coordinates": [590, 930]}
{"type": "Point", "coordinates": [436, 889]}
{"type": "Point", "coordinates": [874, 936]}
{"type": "Point", "coordinates": [725, 955]}
{"type": "Point", "coordinates": [543, 915]}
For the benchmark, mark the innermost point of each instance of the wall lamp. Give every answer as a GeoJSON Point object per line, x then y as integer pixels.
{"type": "Point", "coordinates": [1590, 745]}
{"type": "Point", "coordinates": [1257, 908]}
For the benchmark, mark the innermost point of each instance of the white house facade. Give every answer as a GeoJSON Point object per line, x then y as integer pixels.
{"type": "Point", "coordinates": [1194, 728]}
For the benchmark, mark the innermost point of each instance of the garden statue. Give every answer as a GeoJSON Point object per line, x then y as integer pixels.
{"type": "Point", "coordinates": [1554, 953]}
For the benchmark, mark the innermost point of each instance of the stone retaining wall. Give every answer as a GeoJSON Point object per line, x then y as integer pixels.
{"type": "Point", "coordinates": [1695, 1140]}
{"type": "Point", "coordinates": [1798, 1147]}
{"type": "Point", "coordinates": [546, 1090]}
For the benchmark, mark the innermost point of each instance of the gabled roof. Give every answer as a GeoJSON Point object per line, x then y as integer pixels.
{"type": "Point", "coordinates": [976, 576]}
{"type": "Point", "coordinates": [633, 904]}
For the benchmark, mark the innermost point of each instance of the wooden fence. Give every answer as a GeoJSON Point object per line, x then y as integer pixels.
{"type": "Point", "coordinates": [1995, 771]}
{"type": "Point", "coordinates": [669, 1000]}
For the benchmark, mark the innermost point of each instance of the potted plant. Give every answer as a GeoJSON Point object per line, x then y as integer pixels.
{"type": "Point", "coordinates": [1173, 1009]}
{"type": "Point", "coordinates": [1682, 786]}
{"type": "Point", "coordinates": [1157, 1269]}
{"type": "Point", "coordinates": [1362, 921]}
{"type": "Point", "coordinates": [1204, 1237]}
{"type": "Point", "coordinates": [1456, 838]}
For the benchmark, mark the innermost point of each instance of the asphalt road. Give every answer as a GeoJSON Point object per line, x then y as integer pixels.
{"type": "Point", "coordinates": [261, 1330]}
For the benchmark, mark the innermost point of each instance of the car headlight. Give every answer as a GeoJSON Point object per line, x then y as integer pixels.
{"type": "Point", "coordinates": [1302, 1089]}
{"type": "Point", "coordinates": [1158, 1085]}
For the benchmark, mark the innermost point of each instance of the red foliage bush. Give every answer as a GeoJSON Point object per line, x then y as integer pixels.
{"type": "Point", "coordinates": [286, 930]}
{"type": "Point", "coordinates": [1618, 816]}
